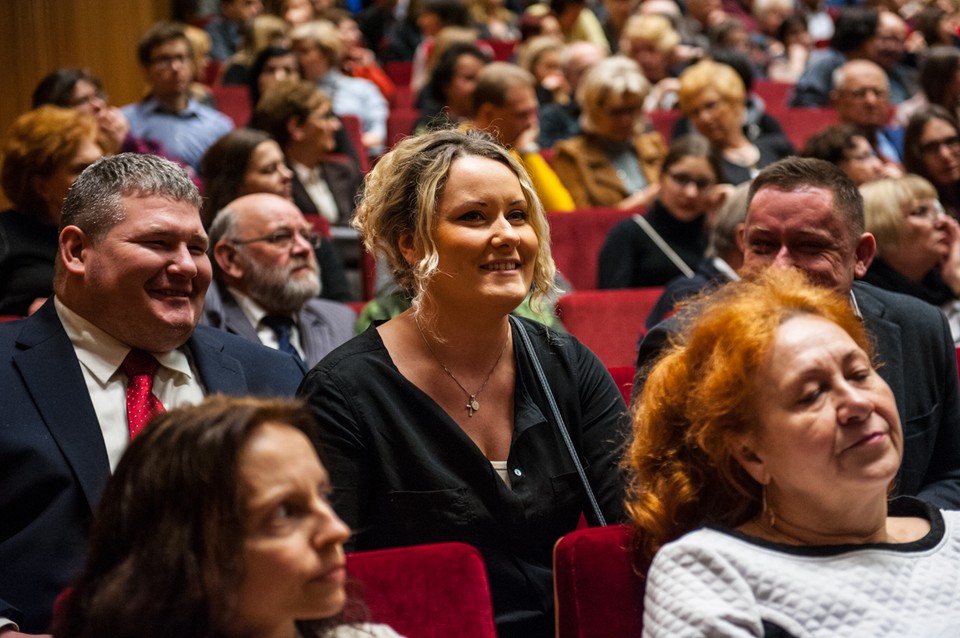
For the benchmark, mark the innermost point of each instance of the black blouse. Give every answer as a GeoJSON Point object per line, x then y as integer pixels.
{"type": "Point", "coordinates": [405, 473]}
{"type": "Point", "coordinates": [630, 259]}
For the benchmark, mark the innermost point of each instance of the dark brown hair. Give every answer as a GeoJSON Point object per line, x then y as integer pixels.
{"type": "Point", "coordinates": [166, 546]}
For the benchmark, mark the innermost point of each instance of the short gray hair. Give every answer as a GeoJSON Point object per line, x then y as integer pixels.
{"type": "Point", "coordinates": [94, 202]}
{"type": "Point", "coordinates": [222, 228]}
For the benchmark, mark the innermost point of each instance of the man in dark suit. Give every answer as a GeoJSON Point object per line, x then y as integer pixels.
{"type": "Point", "coordinates": [129, 282]}
{"type": "Point", "coordinates": [266, 280]}
{"type": "Point", "coordinates": [806, 213]}
{"type": "Point", "coordinates": [300, 117]}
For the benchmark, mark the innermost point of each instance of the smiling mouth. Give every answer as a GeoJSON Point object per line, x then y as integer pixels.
{"type": "Point", "coordinates": [172, 294]}
{"type": "Point", "coordinates": [870, 439]}
{"type": "Point", "coordinates": [503, 265]}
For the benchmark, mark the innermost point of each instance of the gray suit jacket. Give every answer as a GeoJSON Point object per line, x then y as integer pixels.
{"type": "Point", "coordinates": [323, 324]}
{"type": "Point", "coordinates": [918, 360]}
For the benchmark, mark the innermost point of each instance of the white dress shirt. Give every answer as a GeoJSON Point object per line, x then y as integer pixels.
{"type": "Point", "coordinates": [100, 355]}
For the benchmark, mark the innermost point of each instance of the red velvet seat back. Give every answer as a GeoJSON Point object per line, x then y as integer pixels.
{"type": "Point", "coordinates": [801, 123]}
{"type": "Point", "coordinates": [609, 322]}
{"type": "Point", "coordinates": [233, 100]}
{"type": "Point", "coordinates": [598, 593]}
{"type": "Point", "coordinates": [426, 591]}
{"type": "Point", "coordinates": [576, 239]}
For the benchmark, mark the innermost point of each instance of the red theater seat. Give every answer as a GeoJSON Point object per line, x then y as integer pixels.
{"type": "Point", "coordinates": [801, 123]}
{"type": "Point", "coordinates": [598, 593]}
{"type": "Point", "coordinates": [233, 101]}
{"type": "Point", "coordinates": [609, 322]}
{"type": "Point", "coordinates": [576, 239]}
{"type": "Point", "coordinates": [426, 591]}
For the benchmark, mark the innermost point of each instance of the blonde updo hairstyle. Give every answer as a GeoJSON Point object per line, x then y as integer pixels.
{"type": "Point", "coordinates": [608, 81]}
{"type": "Point", "coordinates": [401, 195]}
{"type": "Point", "coordinates": [707, 74]}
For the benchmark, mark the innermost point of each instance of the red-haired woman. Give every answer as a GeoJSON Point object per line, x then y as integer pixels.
{"type": "Point", "coordinates": [765, 448]}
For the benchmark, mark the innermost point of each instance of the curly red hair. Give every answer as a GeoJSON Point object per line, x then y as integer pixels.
{"type": "Point", "coordinates": [699, 397]}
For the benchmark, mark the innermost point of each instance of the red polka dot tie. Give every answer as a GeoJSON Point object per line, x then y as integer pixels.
{"type": "Point", "coordinates": [142, 405]}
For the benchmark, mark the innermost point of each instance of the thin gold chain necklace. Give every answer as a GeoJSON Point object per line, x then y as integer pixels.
{"type": "Point", "coordinates": [472, 404]}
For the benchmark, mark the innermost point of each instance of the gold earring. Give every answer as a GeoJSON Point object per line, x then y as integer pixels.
{"type": "Point", "coordinates": [767, 512]}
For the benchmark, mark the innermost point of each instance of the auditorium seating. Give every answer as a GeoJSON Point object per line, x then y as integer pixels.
{"type": "Point", "coordinates": [598, 593]}
{"type": "Point", "coordinates": [662, 122]}
{"type": "Point", "coordinates": [801, 123]}
{"type": "Point", "coordinates": [399, 71]}
{"type": "Point", "coordinates": [233, 100]}
{"type": "Point", "coordinates": [351, 124]}
{"type": "Point", "coordinates": [623, 377]}
{"type": "Point", "coordinates": [425, 591]}
{"type": "Point", "coordinates": [576, 239]}
{"type": "Point", "coordinates": [400, 123]}
{"type": "Point", "coordinates": [609, 322]}
{"type": "Point", "coordinates": [774, 94]}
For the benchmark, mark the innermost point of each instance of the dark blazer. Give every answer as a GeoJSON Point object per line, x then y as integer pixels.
{"type": "Point", "coordinates": [53, 463]}
{"type": "Point", "coordinates": [918, 359]}
{"type": "Point", "coordinates": [323, 324]}
{"type": "Point", "coordinates": [344, 182]}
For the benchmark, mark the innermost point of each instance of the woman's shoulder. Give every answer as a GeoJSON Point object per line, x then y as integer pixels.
{"type": "Point", "coordinates": [358, 352]}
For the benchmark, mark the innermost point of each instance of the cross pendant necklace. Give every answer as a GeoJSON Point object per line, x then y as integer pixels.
{"type": "Point", "coordinates": [472, 405]}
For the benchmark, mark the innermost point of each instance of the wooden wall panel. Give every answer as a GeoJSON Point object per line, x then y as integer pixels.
{"type": "Point", "coordinates": [38, 36]}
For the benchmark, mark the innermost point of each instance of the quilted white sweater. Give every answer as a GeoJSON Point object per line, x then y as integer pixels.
{"type": "Point", "coordinates": [714, 582]}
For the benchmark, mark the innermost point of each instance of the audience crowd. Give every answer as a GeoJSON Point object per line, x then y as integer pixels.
{"type": "Point", "coordinates": [786, 171]}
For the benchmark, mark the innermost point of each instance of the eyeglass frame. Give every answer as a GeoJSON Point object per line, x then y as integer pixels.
{"type": "Point", "coordinates": [936, 208]}
{"type": "Point", "coordinates": [283, 238]}
{"type": "Point", "coordinates": [933, 146]}
{"type": "Point", "coordinates": [684, 179]}
{"type": "Point", "coordinates": [167, 61]}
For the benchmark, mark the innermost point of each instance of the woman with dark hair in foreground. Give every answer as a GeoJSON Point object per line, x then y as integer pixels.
{"type": "Point", "coordinates": [216, 523]}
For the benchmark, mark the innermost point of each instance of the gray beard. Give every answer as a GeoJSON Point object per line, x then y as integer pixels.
{"type": "Point", "coordinates": [274, 289]}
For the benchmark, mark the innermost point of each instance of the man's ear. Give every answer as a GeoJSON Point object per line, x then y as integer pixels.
{"type": "Point", "coordinates": [865, 252]}
{"type": "Point", "coordinates": [72, 250]}
{"type": "Point", "coordinates": [742, 449]}
{"type": "Point", "coordinates": [228, 260]}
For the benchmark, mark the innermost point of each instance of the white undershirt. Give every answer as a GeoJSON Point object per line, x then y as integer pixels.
{"type": "Point", "coordinates": [100, 356]}
{"type": "Point", "coordinates": [500, 467]}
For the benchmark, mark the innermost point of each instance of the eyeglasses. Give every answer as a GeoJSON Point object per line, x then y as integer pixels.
{"type": "Point", "coordinates": [87, 99]}
{"type": "Point", "coordinates": [932, 147]}
{"type": "Point", "coordinates": [685, 179]}
{"type": "Point", "coordinates": [283, 238]}
{"type": "Point", "coordinates": [623, 111]}
{"type": "Point", "coordinates": [167, 61]}
{"type": "Point", "coordinates": [862, 157]}
{"type": "Point", "coordinates": [929, 212]}
{"type": "Point", "coordinates": [862, 93]}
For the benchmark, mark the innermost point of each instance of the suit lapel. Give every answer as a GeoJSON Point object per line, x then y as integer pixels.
{"type": "Point", "coordinates": [51, 373]}
{"type": "Point", "coordinates": [887, 341]}
{"type": "Point", "coordinates": [219, 372]}
{"type": "Point", "coordinates": [233, 318]}
{"type": "Point", "coordinates": [313, 335]}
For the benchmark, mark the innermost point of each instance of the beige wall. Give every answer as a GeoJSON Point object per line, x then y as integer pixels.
{"type": "Point", "coordinates": [38, 36]}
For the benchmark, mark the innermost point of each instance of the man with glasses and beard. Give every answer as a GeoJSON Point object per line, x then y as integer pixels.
{"type": "Point", "coordinates": [266, 280]}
